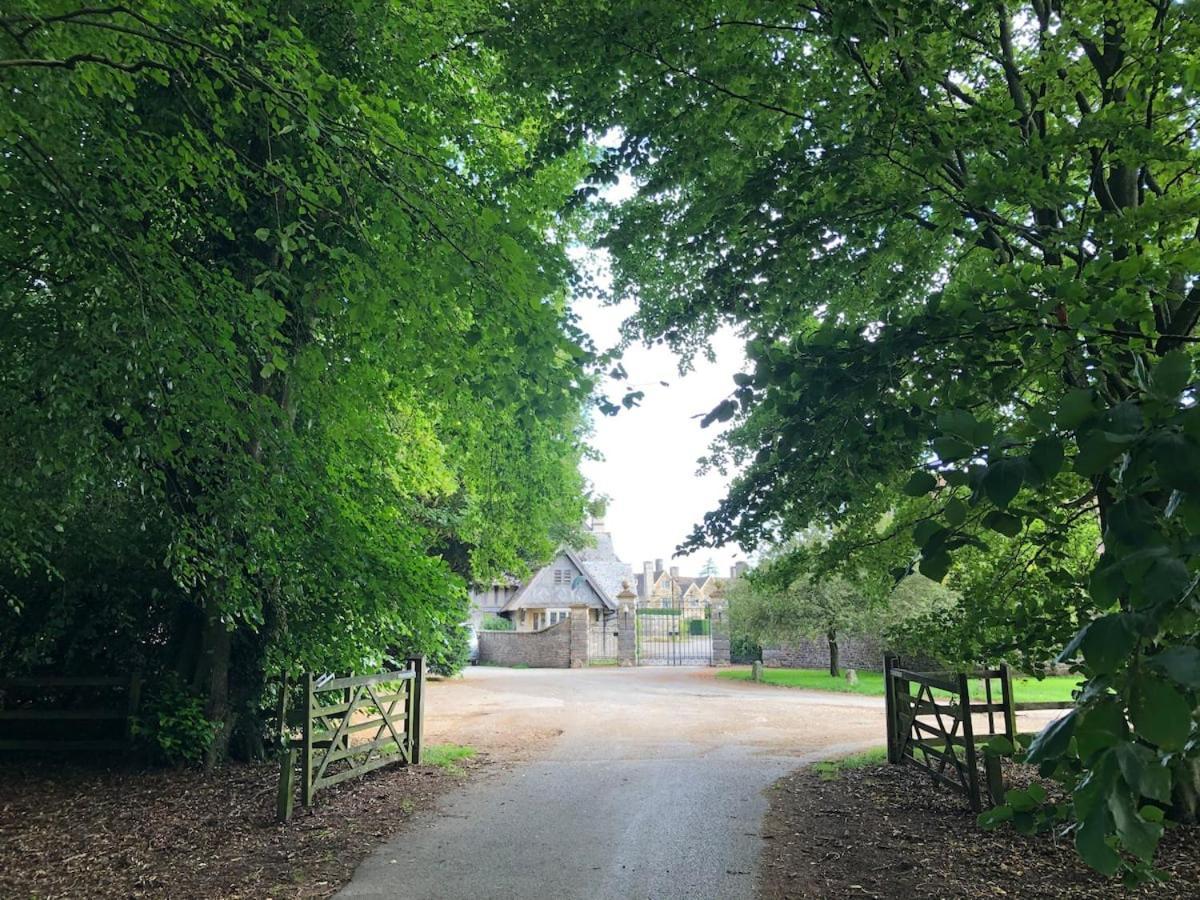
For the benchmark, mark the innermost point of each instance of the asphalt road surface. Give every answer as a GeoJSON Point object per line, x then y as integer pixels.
{"type": "Point", "coordinates": [627, 783]}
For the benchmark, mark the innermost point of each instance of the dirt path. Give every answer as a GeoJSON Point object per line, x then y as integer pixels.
{"type": "Point", "coordinates": [625, 783]}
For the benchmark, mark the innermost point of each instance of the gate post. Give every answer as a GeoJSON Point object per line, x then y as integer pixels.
{"type": "Point", "coordinates": [415, 726]}
{"type": "Point", "coordinates": [579, 624]}
{"type": "Point", "coordinates": [626, 627]}
{"type": "Point", "coordinates": [719, 628]}
{"type": "Point", "coordinates": [306, 747]}
{"type": "Point", "coordinates": [889, 704]}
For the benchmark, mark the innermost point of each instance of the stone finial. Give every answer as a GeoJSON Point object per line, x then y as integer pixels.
{"type": "Point", "coordinates": [627, 593]}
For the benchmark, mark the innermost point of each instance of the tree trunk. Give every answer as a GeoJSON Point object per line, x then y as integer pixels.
{"type": "Point", "coordinates": [834, 671]}
{"type": "Point", "coordinates": [1185, 797]}
{"type": "Point", "coordinates": [212, 678]}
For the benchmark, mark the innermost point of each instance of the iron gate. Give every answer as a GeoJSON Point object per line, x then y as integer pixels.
{"type": "Point", "coordinates": [602, 640]}
{"type": "Point", "coordinates": [674, 637]}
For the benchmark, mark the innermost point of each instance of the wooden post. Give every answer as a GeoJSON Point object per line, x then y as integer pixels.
{"type": "Point", "coordinates": [416, 715]}
{"type": "Point", "coordinates": [968, 733]}
{"type": "Point", "coordinates": [889, 702]}
{"type": "Point", "coordinates": [306, 747]}
{"type": "Point", "coordinates": [1010, 712]}
{"type": "Point", "coordinates": [995, 777]}
{"type": "Point", "coordinates": [131, 704]}
{"type": "Point", "coordinates": [287, 778]}
{"type": "Point", "coordinates": [281, 711]}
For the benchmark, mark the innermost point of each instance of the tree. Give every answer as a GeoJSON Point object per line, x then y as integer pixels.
{"type": "Point", "coordinates": [961, 240]}
{"type": "Point", "coordinates": [710, 567]}
{"type": "Point", "coordinates": [264, 269]}
{"type": "Point", "coordinates": [805, 608]}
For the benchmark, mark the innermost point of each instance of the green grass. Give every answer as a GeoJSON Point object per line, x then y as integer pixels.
{"type": "Point", "coordinates": [830, 768]}
{"type": "Point", "coordinates": [1028, 690]}
{"type": "Point", "coordinates": [447, 757]}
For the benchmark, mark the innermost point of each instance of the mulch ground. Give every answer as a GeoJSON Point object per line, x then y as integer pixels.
{"type": "Point", "coordinates": [82, 831]}
{"type": "Point", "coordinates": [886, 831]}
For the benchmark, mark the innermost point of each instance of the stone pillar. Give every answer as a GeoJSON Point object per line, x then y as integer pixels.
{"type": "Point", "coordinates": [626, 626]}
{"type": "Point", "coordinates": [579, 636]}
{"type": "Point", "coordinates": [720, 633]}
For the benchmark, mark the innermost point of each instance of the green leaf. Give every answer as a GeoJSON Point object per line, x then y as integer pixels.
{"type": "Point", "coordinates": [1172, 374]}
{"type": "Point", "coordinates": [1006, 524]}
{"type": "Point", "coordinates": [1144, 772]}
{"type": "Point", "coordinates": [1003, 479]}
{"type": "Point", "coordinates": [1160, 714]}
{"type": "Point", "coordinates": [1052, 741]}
{"type": "Point", "coordinates": [1046, 457]}
{"type": "Point", "coordinates": [1138, 836]}
{"type": "Point", "coordinates": [919, 484]}
{"type": "Point", "coordinates": [1182, 664]}
{"type": "Point", "coordinates": [956, 512]}
{"type": "Point", "coordinates": [1097, 451]}
{"type": "Point", "coordinates": [936, 566]}
{"type": "Point", "coordinates": [1100, 726]}
{"type": "Point", "coordinates": [1091, 843]}
{"type": "Point", "coordinates": [1108, 642]}
{"type": "Point", "coordinates": [1164, 582]}
{"type": "Point", "coordinates": [1000, 746]}
{"type": "Point", "coordinates": [949, 449]}
{"type": "Point", "coordinates": [994, 817]}
{"type": "Point", "coordinates": [1076, 408]}
{"type": "Point", "coordinates": [262, 233]}
{"type": "Point", "coordinates": [925, 532]}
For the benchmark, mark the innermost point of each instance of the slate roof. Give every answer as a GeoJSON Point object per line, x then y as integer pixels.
{"type": "Point", "coordinates": [534, 594]}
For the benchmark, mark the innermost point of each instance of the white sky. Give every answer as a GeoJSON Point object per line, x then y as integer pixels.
{"type": "Point", "coordinates": [650, 452]}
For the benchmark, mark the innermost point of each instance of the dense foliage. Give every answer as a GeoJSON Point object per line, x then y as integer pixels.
{"type": "Point", "coordinates": [263, 268]}
{"type": "Point", "coordinates": [961, 239]}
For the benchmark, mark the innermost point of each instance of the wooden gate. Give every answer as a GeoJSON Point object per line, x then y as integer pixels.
{"type": "Point", "coordinates": [354, 725]}
{"type": "Point", "coordinates": [936, 723]}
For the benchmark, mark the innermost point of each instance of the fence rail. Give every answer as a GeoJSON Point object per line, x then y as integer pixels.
{"type": "Point", "coordinates": [386, 708]}
{"type": "Point", "coordinates": [936, 733]}
{"type": "Point", "coordinates": [86, 706]}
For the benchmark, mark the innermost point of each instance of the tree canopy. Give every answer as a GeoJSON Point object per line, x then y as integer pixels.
{"type": "Point", "coordinates": [961, 240]}
{"type": "Point", "coordinates": [264, 270]}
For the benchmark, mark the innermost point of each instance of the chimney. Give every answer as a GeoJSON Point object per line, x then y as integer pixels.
{"type": "Point", "coordinates": [658, 567]}
{"type": "Point", "coordinates": [674, 571]}
{"type": "Point", "coordinates": [733, 571]}
{"type": "Point", "coordinates": [647, 579]}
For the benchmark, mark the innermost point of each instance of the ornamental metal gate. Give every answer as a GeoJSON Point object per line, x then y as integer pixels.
{"type": "Point", "coordinates": [674, 637]}
{"type": "Point", "coordinates": [603, 638]}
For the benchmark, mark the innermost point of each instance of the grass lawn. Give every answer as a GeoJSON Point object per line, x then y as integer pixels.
{"type": "Point", "coordinates": [447, 756]}
{"type": "Point", "coordinates": [1029, 690]}
{"type": "Point", "coordinates": [829, 769]}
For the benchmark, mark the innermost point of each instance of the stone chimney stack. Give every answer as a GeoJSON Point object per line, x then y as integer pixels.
{"type": "Point", "coordinates": [674, 571]}
{"type": "Point", "coordinates": [647, 579]}
{"type": "Point", "coordinates": [658, 566]}
{"type": "Point", "coordinates": [733, 571]}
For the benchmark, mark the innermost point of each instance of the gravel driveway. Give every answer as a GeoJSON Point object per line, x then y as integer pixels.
{"type": "Point", "coordinates": [626, 783]}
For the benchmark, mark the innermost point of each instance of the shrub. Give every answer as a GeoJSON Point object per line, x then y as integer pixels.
{"type": "Point", "coordinates": [171, 724]}
{"type": "Point", "coordinates": [496, 623]}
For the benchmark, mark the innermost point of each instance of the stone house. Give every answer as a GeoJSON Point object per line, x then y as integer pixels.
{"type": "Point", "coordinates": [591, 576]}
{"type": "Point", "coordinates": [659, 588]}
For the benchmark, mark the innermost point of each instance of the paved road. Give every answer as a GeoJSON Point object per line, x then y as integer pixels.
{"type": "Point", "coordinates": [641, 783]}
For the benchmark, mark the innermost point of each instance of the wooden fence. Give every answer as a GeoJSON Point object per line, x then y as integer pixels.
{"type": "Point", "coordinates": [68, 712]}
{"type": "Point", "coordinates": [387, 709]}
{"type": "Point", "coordinates": [936, 722]}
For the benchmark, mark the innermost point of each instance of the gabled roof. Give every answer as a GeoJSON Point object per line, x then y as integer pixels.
{"type": "Point", "coordinates": [608, 602]}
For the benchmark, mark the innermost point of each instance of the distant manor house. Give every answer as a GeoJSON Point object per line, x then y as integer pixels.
{"type": "Point", "coordinates": [593, 576]}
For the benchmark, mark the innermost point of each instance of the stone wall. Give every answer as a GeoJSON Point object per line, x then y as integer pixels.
{"type": "Point", "coordinates": [854, 652]}
{"type": "Point", "coordinates": [549, 648]}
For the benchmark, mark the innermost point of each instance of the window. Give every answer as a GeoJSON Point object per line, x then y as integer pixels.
{"type": "Point", "coordinates": [559, 615]}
